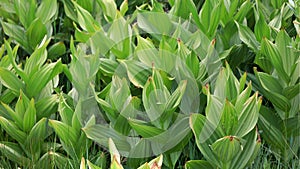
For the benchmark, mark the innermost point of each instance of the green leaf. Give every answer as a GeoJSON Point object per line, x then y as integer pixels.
{"type": "Point", "coordinates": [13, 130]}
{"type": "Point", "coordinates": [213, 109]}
{"type": "Point", "coordinates": [17, 118]}
{"type": "Point", "coordinates": [41, 78]}
{"type": "Point", "coordinates": [25, 11]}
{"type": "Point", "coordinates": [47, 10]}
{"type": "Point", "coordinates": [205, 134]}
{"type": "Point", "coordinates": [268, 82]}
{"type": "Point", "coordinates": [12, 56]}
{"type": "Point", "coordinates": [119, 93]}
{"type": "Point", "coordinates": [109, 8]}
{"type": "Point", "coordinates": [155, 163]}
{"type": "Point", "coordinates": [210, 15]}
{"type": "Point", "coordinates": [100, 134]}
{"type": "Point", "coordinates": [269, 123]}
{"type": "Point", "coordinates": [243, 11]}
{"type": "Point", "coordinates": [37, 59]}
{"type": "Point", "coordinates": [247, 119]}
{"type": "Point", "coordinates": [11, 81]}
{"type": "Point", "coordinates": [46, 106]}
{"type": "Point", "coordinates": [36, 32]}
{"type": "Point", "coordinates": [185, 9]}
{"type": "Point", "coordinates": [229, 119]}
{"type": "Point", "coordinates": [242, 98]}
{"type": "Point", "coordinates": [155, 23]}
{"type": "Point", "coordinates": [115, 155]}
{"type": "Point", "coordinates": [35, 139]}
{"type": "Point", "coordinates": [17, 33]}
{"type": "Point", "coordinates": [137, 72]}
{"type": "Point", "coordinates": [261, 28]}
{"type": "Point", "coordinates": [66, 133]}
{"type": "Point", "coordinates": [108, 66]}
{"type": "Point", "coordinates": [271, 51]}
{"type": "Point", "coordinates": [124, 7]}
{"type": "Point", "coordinates": [85, 19]}
{"type": "Point", "coordinates": [101, 43]}
{"type": "Point", "coordinates": [65, 111]}
{"type": "Point", "coordinates": [56, 50]}
{"type": "Point", "coordinates": [283, 44]}
{"type": "Point", "coordinates": [145, 130]}
{"type": "Point", "coordinates": [120, 32]}
{"type": "Point", "coordinates": [196, 164]}
{"type": "Point", "coordinates": [13, 152]}
{"type": "Point", "coordinates": [22, 105]}
{"type": "Point", "coordinates": [227, 148]}
{"type": "Point", "coordinates": [175, 99]}
{"type": "Point", "coordinates": [147, 53]}
{"type": "Point", "coordinates": [29, 117]}
{"type": "Point", "coordinates": [92, 166]}
{"type": "Point", "coordinates": [291, 91]}
{"type": "Point", "coordinates": [248, 37]}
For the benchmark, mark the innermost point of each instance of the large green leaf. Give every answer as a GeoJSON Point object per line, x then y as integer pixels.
{"type": "Point", "coordinates": [25, 11]}
{"type": "Point", "coordinates": [29, 117]}
{"type": "Point", "coordinates": [11, 81]}
{"type": "Point", "coordinates": [248, 37]}
{"type": "Point", "coordinates": [196, 164]}
{"type": "Point", "coordinates": [47, 10]}
{"type": "Point", "coordinates": [109, 8]}
{"type": "Point", "coordinates": [12, 130]}
{"type": "Point", "coordinates": [271, 51]}
{"type": "Point", "coordinates": [65, 132]}
{"type": "Point", "coordinates": [14, 153]}
{"type": "Point", "coordinates": [18, 33]}
{"type": "Point", "coordinates": [145, 130]}
{"type": "Point", "coordinates": [36, 32]}
{"type": "Point", "coordinates": [247, 119]}
{"type": "Point", "coordinates": [138, 73]}
{"type": "Point", "coordinates": [227, 148]}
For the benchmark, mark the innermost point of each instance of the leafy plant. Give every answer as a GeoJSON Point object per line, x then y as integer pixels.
{"type": "Point", "coordinates": [226, 136]}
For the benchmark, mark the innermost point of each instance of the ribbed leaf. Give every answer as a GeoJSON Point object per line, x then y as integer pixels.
{"type": "Point", "coordinates": [65, 132]}
{"type": "Point", "coordinates": [227, 148]}
{"type": "Point", "coordinates": [261, 28]}
{"type": "Point", "coordinates": [12, 130]}
{"type": "Point", "coordinates": [271, 51]}
{"type": "Point", "coordinates": [17, 118]}
{"type": "Point", "coordinates": [85, 19]}
{"type": "Point", "coordinates": [229, 119]}
{"type": "Point", "coordinates": [147, 53]}
{"type": "Point", "coordinates": [36, 32]}
{"type": "Point", "coordinates": [247, 36]}
{"type": "Point", "coordinates": [119, 93]}
{"type": "Point", "coordinates": [184, 9]}
{"type": "Point", "coordinates": [37, 59]}
{"type": "Point", "coordinates": [18, 33]}
{"type": "Point", "coordinates": [137, 72]}
{"type": "Point", "coordinates": [25, 11]}
{"type": "Point", "coordinates": [47, 10]}
{"type": "Point", "coordinates": [109, 8]}
{"type": "Point", "coordinates": [115, 155]}
{"type": "Point", "coordinates": [248, 117]}
{"type": "Point", "coordinates": [65, 111]}
{"type": "Point", "coordinates": [56, 50]}
{"type": "Point", "coordinates": [11, 81]}
{"type": "Point", "coordinates": [13, 152]}
{"type": "Point", "coordinates": [145, 130]}
{"type": "Point", "coordinates": [268, 82]}
{"type": "Point", "coordinates": [29, 117]}
{"type": "Point", "coordinates": [124, 7]}
{"type": "Point", "coordinates": [197, 164]}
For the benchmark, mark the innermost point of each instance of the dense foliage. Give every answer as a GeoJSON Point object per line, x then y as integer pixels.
{"type": "Point", "coordinates": [179, 83]}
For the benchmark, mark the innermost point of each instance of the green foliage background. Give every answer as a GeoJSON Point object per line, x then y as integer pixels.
{"type": "Point", "coordinates": [189, 84]}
